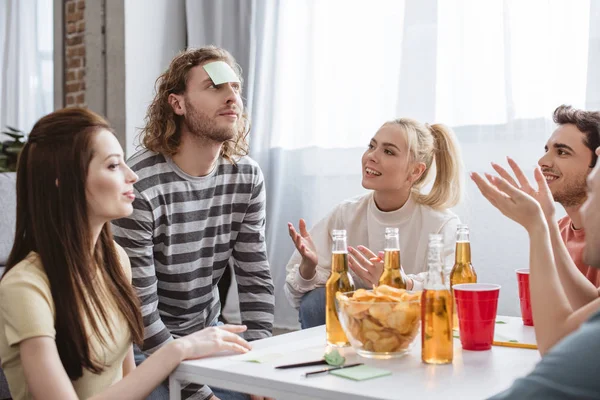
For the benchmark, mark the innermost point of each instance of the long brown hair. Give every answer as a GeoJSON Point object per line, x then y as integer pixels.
{"type": "Point", "coordinates": [435, 143]}
{"type": "Point", "coordinates": [52, 220]}
{"type": "Point", "coordinates": [162, 131]}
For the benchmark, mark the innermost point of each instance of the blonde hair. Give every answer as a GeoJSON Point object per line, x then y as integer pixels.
{"type": "Point", "coordinates": [162, 130]}
{"type": "Point", "coordinates": [428, 143]}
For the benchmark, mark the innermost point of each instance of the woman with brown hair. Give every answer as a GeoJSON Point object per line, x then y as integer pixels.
{"type": "Point", "coordinates": [68, 313]}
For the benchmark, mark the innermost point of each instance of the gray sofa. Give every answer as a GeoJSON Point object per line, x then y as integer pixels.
{"type": "Point", "coordinates": [8, 208]}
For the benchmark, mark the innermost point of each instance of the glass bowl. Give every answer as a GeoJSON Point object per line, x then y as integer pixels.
{"type": "Point", "coordinates": [381, 323]}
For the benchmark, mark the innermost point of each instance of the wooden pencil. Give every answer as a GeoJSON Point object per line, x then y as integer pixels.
{"type": "Point", "coordinates": [516, 344]}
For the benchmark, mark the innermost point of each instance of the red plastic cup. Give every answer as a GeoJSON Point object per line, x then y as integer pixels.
{"type": "Point", "coordinates": [524, 296]}
{"type": "Point", "coordinates": [477, 304]}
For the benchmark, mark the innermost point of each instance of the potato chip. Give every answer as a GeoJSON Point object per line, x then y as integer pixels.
{"type": "Point", "coordinates": [386, 344]}
{"type": "Point", "coordinates": [380, 311]}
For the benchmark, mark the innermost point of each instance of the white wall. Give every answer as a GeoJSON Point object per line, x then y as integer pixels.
{"type": "Point", "coordinates": [154, 32]}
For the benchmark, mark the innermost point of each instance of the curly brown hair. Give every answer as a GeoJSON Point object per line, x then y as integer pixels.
{"type": "Point", "coordinates": [162, 133]}
{"type": "Point", "coordinates": [587, 122]}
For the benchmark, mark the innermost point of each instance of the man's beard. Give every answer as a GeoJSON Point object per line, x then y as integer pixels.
{"type": "Point", "coordinates": [573, 193]}
{"type": "Point", "coordinates": [204, 127]}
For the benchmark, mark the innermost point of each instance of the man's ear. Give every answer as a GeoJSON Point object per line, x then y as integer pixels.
{"type": "Point", "coordinates": [56, 182]}
{"type": "Point", "coordinates": [177, 103]}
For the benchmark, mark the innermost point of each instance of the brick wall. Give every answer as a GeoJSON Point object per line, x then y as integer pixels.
{"type": "Point", "coordinates": [74, 90]}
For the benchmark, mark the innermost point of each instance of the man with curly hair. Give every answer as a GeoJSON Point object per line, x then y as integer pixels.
{"type": "Point", "coordinates": [200, 205]}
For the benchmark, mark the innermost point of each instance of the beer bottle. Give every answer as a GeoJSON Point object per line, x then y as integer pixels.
{"type": "Point", "coordinates": [436, 309]}
{"type": "Point", "coordinates": [463, 271]}
{"type": "Point", "coordinates": [339, 281]}
{"type": "Point", "coordinates": [391, 275]}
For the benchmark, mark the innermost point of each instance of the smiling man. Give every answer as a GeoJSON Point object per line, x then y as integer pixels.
{"type": "Point", "coordinates": [568, 161]}
{"type": "Point", "coordinates": [200, 205]}
{"type": "Point", "coordinates": [566, 335]}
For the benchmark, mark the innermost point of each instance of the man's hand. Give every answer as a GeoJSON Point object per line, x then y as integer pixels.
{"type": "Point", "coordinates": [212, 340]}
{"type": "Point", "coordinates": [513, 202]}
{"type": "Point", "coordinates": [542, 195]}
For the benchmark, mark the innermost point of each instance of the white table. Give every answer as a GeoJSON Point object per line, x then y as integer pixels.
{"type": "Point", "coordinates": [472, 375]}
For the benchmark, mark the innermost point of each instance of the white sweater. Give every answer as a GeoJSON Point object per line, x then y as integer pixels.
{"type": "Point", "coordinates": [365, 225]}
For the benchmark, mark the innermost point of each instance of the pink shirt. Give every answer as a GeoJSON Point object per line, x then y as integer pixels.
{"type": "Point", "coordinates": [575, 240]}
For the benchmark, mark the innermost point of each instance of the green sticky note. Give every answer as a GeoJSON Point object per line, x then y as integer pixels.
{"type": "Point", "coordinates": [361, 372]}
{"type": "Point", "coordinates": [220, 72]}
{"type": "Point", "coordinates": [258, 357]}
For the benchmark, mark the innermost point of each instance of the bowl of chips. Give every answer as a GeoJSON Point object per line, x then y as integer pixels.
{"type": "Point", "coordinates": [380, 323]}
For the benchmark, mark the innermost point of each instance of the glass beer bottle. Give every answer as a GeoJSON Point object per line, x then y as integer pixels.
{"type": "Point", "coordinates": [463, 271]}
{"type": "Point", "coordinates": [339, 281]}
{"type": "Point", "coordinates": [391, 275]}
{"type": "Point", "coordinates": [436, 309]}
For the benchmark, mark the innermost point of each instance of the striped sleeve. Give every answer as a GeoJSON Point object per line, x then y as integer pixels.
{"type": "Point", "coordinates": [135, 235]}
{"type": "Point", "coordinates": [255, 286]}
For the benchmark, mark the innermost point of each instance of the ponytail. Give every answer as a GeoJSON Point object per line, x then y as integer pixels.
{"type": "Point", "coordinates": [449, 182]}
{"type": "Point", "coordinates": [426, 144]}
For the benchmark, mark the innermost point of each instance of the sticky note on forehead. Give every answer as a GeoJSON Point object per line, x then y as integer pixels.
{"type": "Point", "coordinates": [220, 72]}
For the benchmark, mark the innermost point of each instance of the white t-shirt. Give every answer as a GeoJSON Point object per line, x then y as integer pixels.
{"type": "Point", "coordinates": [365, 225]}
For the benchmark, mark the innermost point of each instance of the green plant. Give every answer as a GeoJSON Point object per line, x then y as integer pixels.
{"type": "Point", "coordinates": [10, 149]}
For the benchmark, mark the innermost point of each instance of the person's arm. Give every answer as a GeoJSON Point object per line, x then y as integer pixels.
{"type": "Point", "coordinates": [135, 234]}
{"type": "Point", "coordinates": [552, 313]}
{"type": "Point", "coordinates": [251, 267]}
{"type": "Point", "coordinates": [44, 373]}
{"type": "Point", "coordinates": [47, 379]}
{"type": "Point", "coordinates": [578, 289]}
{"type": "Point", "coordinates": [550, 306]}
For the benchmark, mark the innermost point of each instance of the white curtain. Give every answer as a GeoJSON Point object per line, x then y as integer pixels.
{"type": "Point", "coordinates": [322, 76]}
{"type": "Point", "coordinates": [26, 62]}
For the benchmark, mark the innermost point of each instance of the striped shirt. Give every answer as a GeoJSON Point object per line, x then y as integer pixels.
{"type": "Point", "coordinates": [183, 232]}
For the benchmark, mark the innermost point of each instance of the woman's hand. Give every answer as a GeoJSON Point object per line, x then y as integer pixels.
{"type": "Point", "coordinates": [368, 266]}
{"type": "Point", "coordinates": [213, 340]}
{"type": "Point", "coordinates": [306, 248]}
{"type": "Point", "coordinates": [365, 264]}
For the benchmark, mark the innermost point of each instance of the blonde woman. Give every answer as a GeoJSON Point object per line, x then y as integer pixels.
{"type": "Point", "coordinates": [397, 164]}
